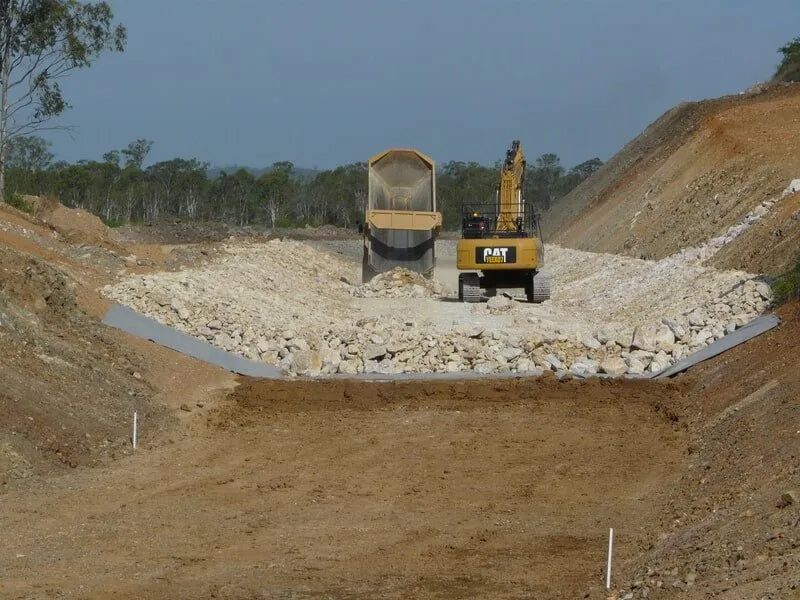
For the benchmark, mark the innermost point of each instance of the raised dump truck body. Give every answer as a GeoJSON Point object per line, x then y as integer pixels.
{"type": "Point", "coordinates": [401, 222]}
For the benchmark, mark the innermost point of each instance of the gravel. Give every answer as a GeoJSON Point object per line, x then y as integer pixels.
{"type": "Point", "coordinates": [303, 310]}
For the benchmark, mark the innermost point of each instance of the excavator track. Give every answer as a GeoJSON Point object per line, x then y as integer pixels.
{"type": "Point", "coordinates": [541, 287]}
{"type": "Point", "coordinates": [469, 287]}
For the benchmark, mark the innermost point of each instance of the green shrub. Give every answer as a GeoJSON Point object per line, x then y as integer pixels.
{"type": "Point", "coordinates": [789, 69]}
{"type": "Point", "coordinates": [787, 286]}
{"type": "Point", "coordinates": [19, 203]}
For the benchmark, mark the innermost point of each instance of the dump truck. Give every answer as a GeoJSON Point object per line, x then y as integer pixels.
{"type": "Point", "coordinates": [501, 243]}
{"type": "Point", "coordinates": [401, 222]}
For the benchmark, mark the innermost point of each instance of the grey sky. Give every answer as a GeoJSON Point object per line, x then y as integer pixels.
{"type": "Point", "coordinates": [323, 83]}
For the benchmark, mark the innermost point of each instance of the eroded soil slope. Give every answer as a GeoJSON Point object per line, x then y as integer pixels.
{"type": "Point", "coordinates": [69, 386]}
{"type": "Point", "coordinates": [694, 173]}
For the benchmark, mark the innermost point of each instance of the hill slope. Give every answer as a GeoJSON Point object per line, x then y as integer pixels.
{"type": "Point", "coordinates": [696, 172]}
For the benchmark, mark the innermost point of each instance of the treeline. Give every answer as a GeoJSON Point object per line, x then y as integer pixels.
{"type": "Point", "coordinates": [120, 188]}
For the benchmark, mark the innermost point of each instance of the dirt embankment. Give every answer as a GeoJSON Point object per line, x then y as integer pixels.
{"type": "Point", "coordinates": [70, 385]}
{"type": "Point", "coordinates": [731, 529]}
{"type": "Point", "coordinates": [690, 176]}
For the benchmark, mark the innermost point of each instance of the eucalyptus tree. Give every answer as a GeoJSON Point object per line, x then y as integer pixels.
{"type": "Point", "coordinates": [41, 42]}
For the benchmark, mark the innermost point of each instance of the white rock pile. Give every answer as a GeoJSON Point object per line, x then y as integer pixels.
{"type": "Point", "coordinates": [289, 305]}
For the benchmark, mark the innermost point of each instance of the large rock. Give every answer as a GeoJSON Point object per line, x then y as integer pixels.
{"type": "Point", "coordinates": [624, 338]}
{"type": "Point", "coordinates": [374, 352]}
{"type": "Point", "coordinates": [499, 303]}
{"type": "Point", "coordinates": [510, 354]}
{"type": "Point", "coordinates": [591, 342]}
{"type": "Point", "coordinates": [697, 318]}
{"type": "Point", "coordinates": [660, 362]}
{"type": "Point", "coordinates": [793, 187]}
{"type": "Point", "coordinates": [306, 362]}
{"type": "Point", "coordinates": [678, 330]}
{"type": "Point", "coordinates": [614, 366]}
{"type": "Point", "coordinates": [486, 368]}
{"type": "Point", "coordinates": [528, 367]}
{"type": "Point", "coordinates": [348, 367]}
{"type": "Point", "coordinates": [554, 362]}
{"type": "Point", "coordinates": [635, 366]}
{"type": "Point", "coordinates": [644, 338]}
{"type": "Point", "coordinates": [702, 338]}
{"type": "Point", "coordinates": [584, 367]}
{"type": "Point", "coordinates": [224, 341]}
{"type": "Point", "coordinates": [470, 330]}
{"type": "Point", "coordinates": [603, 336]}
{"type": "Point", "coordinates": [665, 339]}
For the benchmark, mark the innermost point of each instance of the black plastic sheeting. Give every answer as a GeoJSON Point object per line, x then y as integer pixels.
{"type": "Point", "coordinates": [753, 329]}
{"type": "Point", "coordinates": [146, 328]}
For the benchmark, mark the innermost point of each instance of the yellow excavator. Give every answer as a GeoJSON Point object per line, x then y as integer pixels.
{"type": "Point", "coordinates": [501, 244]}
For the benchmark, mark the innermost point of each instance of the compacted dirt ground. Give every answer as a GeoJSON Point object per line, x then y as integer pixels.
{"type": "Point", "coordinates": [501, 489]}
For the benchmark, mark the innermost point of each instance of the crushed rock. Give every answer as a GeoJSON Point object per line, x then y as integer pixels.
{"type": "Point", "coordinates": [401, 283]}
{"type": "Point", "coordinates": [289, 305]}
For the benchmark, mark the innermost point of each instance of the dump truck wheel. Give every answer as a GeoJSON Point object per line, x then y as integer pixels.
{"type": "Point", "coordinates": [540, 287]}
{"type": "Point", "coordinates": [469, 287]}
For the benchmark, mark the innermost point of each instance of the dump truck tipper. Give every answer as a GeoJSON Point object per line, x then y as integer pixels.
{"type": "Point", "coordinates": [401, 222]}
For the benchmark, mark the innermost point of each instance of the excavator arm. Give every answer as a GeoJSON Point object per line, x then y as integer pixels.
{"type": "Point", "coordinates": [510, 208]}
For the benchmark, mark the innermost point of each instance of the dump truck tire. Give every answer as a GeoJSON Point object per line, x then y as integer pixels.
{"type": "Point", "coordinates": [366, 271]}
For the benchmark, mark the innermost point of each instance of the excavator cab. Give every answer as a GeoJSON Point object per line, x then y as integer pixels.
{"type": "Point", "coordinates": [473, 225]}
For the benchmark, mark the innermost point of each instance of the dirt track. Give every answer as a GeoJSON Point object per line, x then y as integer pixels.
{"type": "Point", "coordinates": [481, 489]}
